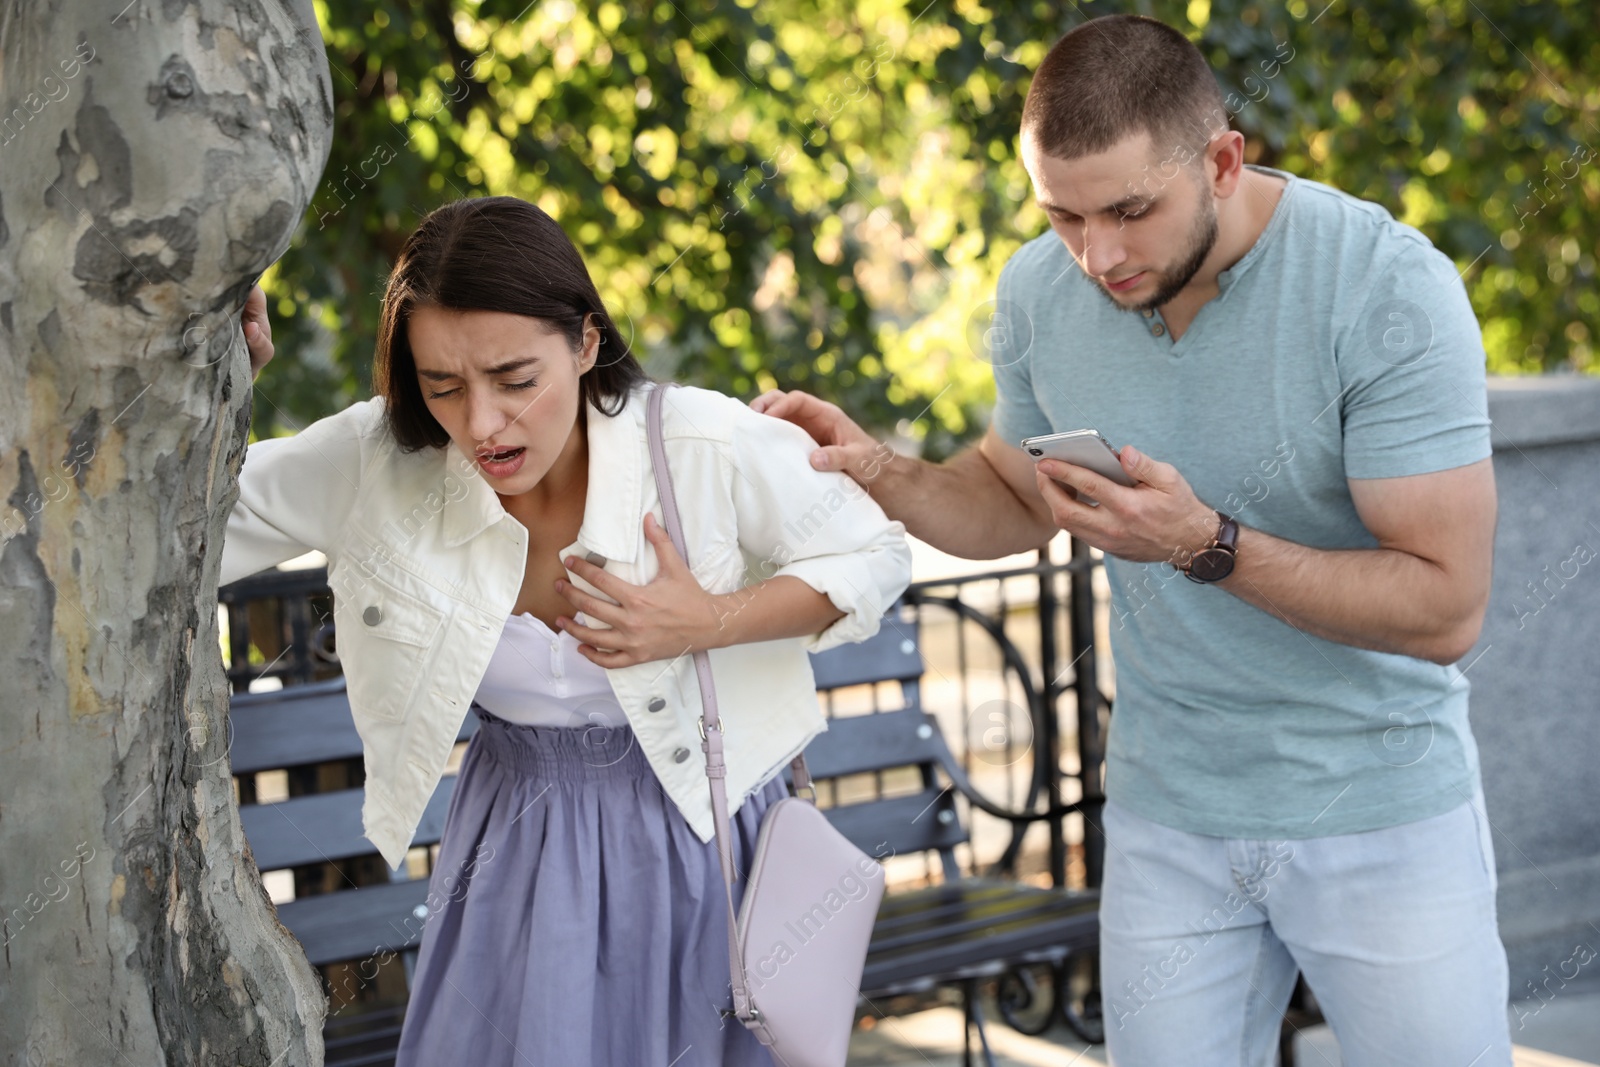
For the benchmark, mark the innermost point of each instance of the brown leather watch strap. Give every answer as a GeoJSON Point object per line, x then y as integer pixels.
{"type": "Point", "coordinates": [1216, 560]}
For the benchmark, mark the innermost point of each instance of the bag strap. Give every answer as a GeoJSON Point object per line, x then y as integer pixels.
{"type": "Point", "coordinates": [710, 720]}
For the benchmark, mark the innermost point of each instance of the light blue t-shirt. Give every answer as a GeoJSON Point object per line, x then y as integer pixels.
{"type": "Point", "coordinates": [1342, 345]}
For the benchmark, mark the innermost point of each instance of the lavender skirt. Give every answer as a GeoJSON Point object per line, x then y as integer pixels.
{"type": "Point", "coordinates": [575, 917]}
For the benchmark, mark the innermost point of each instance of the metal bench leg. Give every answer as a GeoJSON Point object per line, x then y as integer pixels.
{"type": "Point", "coordinates": [973, 1016]}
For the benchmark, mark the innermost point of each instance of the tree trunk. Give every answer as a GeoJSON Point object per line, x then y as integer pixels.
{"type": "Point", "coordinates": [153, 162]}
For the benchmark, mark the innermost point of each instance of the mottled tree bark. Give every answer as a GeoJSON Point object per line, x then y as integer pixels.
{"type": "Point", "coordinates": [153, 161]}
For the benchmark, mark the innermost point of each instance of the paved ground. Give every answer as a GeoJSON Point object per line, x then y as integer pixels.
{"type": "Point", "coordinates": [1565, 1032]}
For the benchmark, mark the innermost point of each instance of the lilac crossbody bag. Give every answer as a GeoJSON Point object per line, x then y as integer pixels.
{"type": "Point", "coordinates": [796, 950]}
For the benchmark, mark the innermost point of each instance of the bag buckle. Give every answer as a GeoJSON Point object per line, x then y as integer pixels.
{"type": "Point", "coordinates": [701, 722]}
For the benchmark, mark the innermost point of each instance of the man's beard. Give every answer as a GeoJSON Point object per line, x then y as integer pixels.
{"type": "Point", "coordinates": [1169, 283]}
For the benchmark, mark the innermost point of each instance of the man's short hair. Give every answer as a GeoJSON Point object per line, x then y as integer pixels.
{"type": "Point", "coordinates": [1116, 76]}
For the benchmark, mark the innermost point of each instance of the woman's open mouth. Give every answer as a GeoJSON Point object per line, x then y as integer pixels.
{"type": "Point", "coordinates": [503, 463]}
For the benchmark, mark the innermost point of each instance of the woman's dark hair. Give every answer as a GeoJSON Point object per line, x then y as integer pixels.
{"type": "Point", "coordinates": [493, 253]}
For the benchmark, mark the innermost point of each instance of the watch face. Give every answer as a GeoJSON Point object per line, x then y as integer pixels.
{"type": "Point", "coordinates": [1211, 564]}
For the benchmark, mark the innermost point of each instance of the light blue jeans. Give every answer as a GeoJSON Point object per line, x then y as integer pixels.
{"type": "Point", "coordinates": [1394, 930]}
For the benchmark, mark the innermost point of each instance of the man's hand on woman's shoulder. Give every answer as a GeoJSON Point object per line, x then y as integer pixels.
{"type": "Point", "coordinates": [845, 445]}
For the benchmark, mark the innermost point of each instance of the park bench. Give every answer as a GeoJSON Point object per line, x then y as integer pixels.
{"type": "Point", "coordinates": [959, 933]}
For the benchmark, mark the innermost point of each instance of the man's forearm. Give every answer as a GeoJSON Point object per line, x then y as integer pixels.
{"type": "Point", "coordinates": [1381, 599]}
{"type": "Point", "coordinates": [962, 506]}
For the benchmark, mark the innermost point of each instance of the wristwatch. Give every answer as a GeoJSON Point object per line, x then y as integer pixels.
{"type": "Point", "coordinates": [1215, 562]}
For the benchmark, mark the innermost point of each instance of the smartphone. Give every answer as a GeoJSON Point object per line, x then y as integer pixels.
{"type": "Point", "coordinates": [1082, 448]}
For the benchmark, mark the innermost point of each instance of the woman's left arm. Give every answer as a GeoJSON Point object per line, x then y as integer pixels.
{"type": "Point", "coordinates": [673, 615]}
{"type": "Point", "coordinates": [825, 563]}
{"type": "Point", "coordinates": [784, 606]}
{"type": "Point", "coordinates": [811, 536]}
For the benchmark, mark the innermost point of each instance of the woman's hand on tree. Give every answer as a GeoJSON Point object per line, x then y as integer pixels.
{"type": "Point", "coordinates": [257, 330]}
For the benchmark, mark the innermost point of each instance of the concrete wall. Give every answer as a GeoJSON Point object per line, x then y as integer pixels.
{"type": "Point", "coordinates": [1536, 681]}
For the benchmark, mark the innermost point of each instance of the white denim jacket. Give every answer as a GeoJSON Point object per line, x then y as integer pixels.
{"type": "Point", "coordinates": [425, 565]}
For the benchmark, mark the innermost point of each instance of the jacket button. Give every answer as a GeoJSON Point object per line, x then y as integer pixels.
{"type": "Point", "coordinates": [596, 558]}
{"type": "Point", "coordinates": [372, 616]}
{"type": "Point", "coordinates": [656, 704]}
{"type": "Point", "coordinates": [680, 755]}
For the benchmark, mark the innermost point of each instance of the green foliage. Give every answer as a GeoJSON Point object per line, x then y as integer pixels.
{"type": "Point", "coordinates": [819, 194]}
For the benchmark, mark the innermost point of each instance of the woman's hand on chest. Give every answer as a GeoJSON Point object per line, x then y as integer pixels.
{"type": "Point", "coordinates": [667, 617]}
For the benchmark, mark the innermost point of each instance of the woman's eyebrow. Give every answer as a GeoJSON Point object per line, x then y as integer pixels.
{"type": "Point", "coordinates": [498, 368]}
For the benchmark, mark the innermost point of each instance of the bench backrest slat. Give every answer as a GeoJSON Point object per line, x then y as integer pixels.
{"type": "Point", "coordinates": [299, 725]}
{"type": "Point", "coordinates": [326, 827]}
{"type": "Point", "coordinates": [900, 826]}
{"type": "Point", "coordinates": [890, 655]}
{"type": "Point", "coordinates": [354, 924]}
{"type": "Point", "coordinates": [884, 740]}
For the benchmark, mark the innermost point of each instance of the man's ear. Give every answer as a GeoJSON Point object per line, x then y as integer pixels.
{"type": "Point", "coordinates": [1225, 163]}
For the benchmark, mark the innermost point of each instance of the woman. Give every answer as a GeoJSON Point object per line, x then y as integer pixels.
{"type": "Point", "coordinates": [493, 540]}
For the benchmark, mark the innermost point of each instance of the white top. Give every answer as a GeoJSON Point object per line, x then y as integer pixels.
{"type": "Point", "coordinates": [537, 677]}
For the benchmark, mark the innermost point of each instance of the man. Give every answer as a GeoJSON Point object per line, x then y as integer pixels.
{"type": "Point", "coordinates": [1297, 381]}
